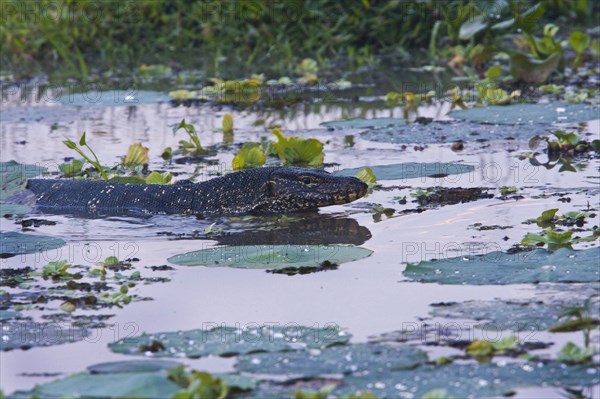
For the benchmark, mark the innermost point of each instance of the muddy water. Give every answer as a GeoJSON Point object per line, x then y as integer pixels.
{"type": "Point", "coordinates": [365, 297]}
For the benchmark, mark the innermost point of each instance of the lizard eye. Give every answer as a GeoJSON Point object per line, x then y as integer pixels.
{"type": "Point", "coordinates": [307, 180]}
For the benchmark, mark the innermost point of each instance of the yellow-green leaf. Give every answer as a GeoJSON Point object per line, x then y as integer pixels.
{"type": "Point", "coordinates": [227, 123]}
{"type": "Point", "coordinates": [159, 178]}
{"type": "Point", "coordinates": [249, 156]}
{"type": "Point", "coordinates": [136, 155]}
{"type": "Point", "coordinates": [367, 176]}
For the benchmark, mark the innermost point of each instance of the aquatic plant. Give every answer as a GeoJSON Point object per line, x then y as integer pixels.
{"type": "Point", "coordinates": [191, 146]}
{"type": "Point", "coordinates": [298, 151]}
{"type": "Point", "coordinates": [249, 156]}
{"type": "Point", "coordinates": [94, 162]}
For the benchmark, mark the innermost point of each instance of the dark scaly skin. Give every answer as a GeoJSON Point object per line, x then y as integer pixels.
{"type": "Point", "coordinates": [274, 189]}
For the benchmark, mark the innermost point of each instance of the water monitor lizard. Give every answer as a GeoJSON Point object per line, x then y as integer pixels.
{"type": "Point", "coordinates": [273, 189]}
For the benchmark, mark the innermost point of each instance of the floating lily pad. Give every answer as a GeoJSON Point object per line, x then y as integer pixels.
{"type": "Point", "coordinates": [13, 176]}
{"type": "Point", "coordinates": [412, 170]}
{"type": "Point", "coordinates": [444, 132]}
{"type": "Point", "coordinates": [26, 334]}
{"type": "Point", "coordinates": [120, 385]}
{"type": "Point", "coordinates": [346, 359]}
{"type": "Point", "coordinates": [140, 381]}
{"type": "Point", "coordinates": [362, 123]}
{"type": "Point", "coordinates": [500, 268]}
{"type": "Point", "coordinates": [507, 315]}
{"type": "Point", "coordinates": [13, 209]}
{"type": "Point", "coordinates": [132, 366]}
{"type": "Point", "coordinates": [114, 98]}
{"type": "Point", "coordinates": [229, 341]}
{"type": "Point", "coordinates": [469, 380]}
{"type": "Point", "coordinates": [239, 382]}
{"type": "Point", "coordinates": [524, 114]}
{"type": "Point", "coordinates": [12, 243]}
{"type": "Point", "coordinates": [9, 314]}
{"type": "Point", "coordinates": [271, 256]}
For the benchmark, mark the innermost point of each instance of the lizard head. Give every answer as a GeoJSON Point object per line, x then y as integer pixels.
{"type": "Point", "coordinates": [293, 188]}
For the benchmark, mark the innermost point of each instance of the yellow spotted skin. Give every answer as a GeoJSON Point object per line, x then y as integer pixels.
{"type": "Point", "coordinates": [274, 189]}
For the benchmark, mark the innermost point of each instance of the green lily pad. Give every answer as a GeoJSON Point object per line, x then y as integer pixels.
{"type": "Point", "coordinates": [444, 132]}
{"type": "Point", "coordinates": [13, 209]}
{"type": "Point", "coordinates": [346, 359]}
{"type": "Point", "coordinates": [362, 123]}
{"type": "Point", "coordinates": [13, 176]}
{"type": "Point", "coordinates": [524, 114]}
{"type": "Point", "coordinates": [469, 380]}
{"type": "Point", "coordinates": [239, 382]}
{"type": "Point", "coordinates": [114, 98]}
{"type": "Point", "coordinates": [12, 243]}
{"type": "Point", "coordinates": [229, 341]}
{"type": "Point", "coordinates": [141, 381]}
{"type": "Point", "coordinates": [26, 334]}
{"type": "Point", "coordinates": [544, 310]}
{"type": "Point", "coordinates": [412, 170]}
{"type": "Point", "coordinates": [270, 256]}
{"type": "Point", "coordinates": [132, 366]}
{"type": "Point", "coordinates": [505, 315]}
{"type": "Point", "coordinates": [120, 385]}
{"type": "Point", "coordinates": [500, 268]}
{"type": "Point", "coordinates": [9, 314]}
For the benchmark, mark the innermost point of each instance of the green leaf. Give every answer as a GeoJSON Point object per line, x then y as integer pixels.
{"type": "Point", "coordinates": [500, 268]}
{"type": "Point", "coordinates": [270, 256]}
{"type": "Point", "coordinates": [227, 123]}
{"type": "Point", "coordinates": [159, 178]}
{"type": "Point", "coordinates": [132, 366]}
{"type": "Point", "coordinates": [528, 114]}
{"type": "Point", "coordinates": [70, 144]}
{"type": "Point", "coordinates": [573, 354]}
{"type": "Point", "coordinates": [228, 341]}
{"type": "Point", "coordinates": [72, 168]}
{"type": "Point", "coordinates": [579, 41]}
{"type": "Point", "coordinates": [529, 18]}
{"type": "Point", "coordinates": [479, 348]}
{"type": "Point", "coordinates": [120, 385]}
{"type": "Point", "coordinates": [167, 154]}
{"type": "Point", "coordinates": [298, 151]}
{"type": "Point", "coordinates": [338, 359]}
{"type": "Point", "coordinates": [508, 343]}
{"type": "Point", "coordinates": [249, 156]}
{"type": "Point", "coordinates": [13, 209]}
{"type": "Point", "coordinates": [579, 324]}
{"type": "Point", "coordinates": [68, 307]}
{"type": "Point", "coordinates": [411, 170]}
{"type": "Point", "coordinates": [547, 216]}
{"type": "Point", "coordinates": [494, 72]}
{"type": "Point", "coordinates": [137, 154]}
{"type": "Point", "coordinates": [367, 176]}
{"type": "Point", "coordinates": [82, 139]}
{"type": "Point", "coordinates": [12, 243]}
{"type": "Point", "coordinates": [566, 138]}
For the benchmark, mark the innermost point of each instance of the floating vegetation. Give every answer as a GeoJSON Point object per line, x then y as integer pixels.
{"type": "Point", "coordinates": [528, 114]}
{"type": "Point", "coordinates": [498, 268]}
{"type": "Point", "coordinates": [12, 244]}
{"type": "Point", "coordinates": [271, 256]}
{"type": "Point", "coordinates": [439, 196]}
{"type": "Point", "coordinates": [448, 132]}
{"type": "Point", "coordinates": [412, 170]}
{"type": "Point", "coordinates": [230, 341]}
{"type": "Point", "coordinates": [372, 358]}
